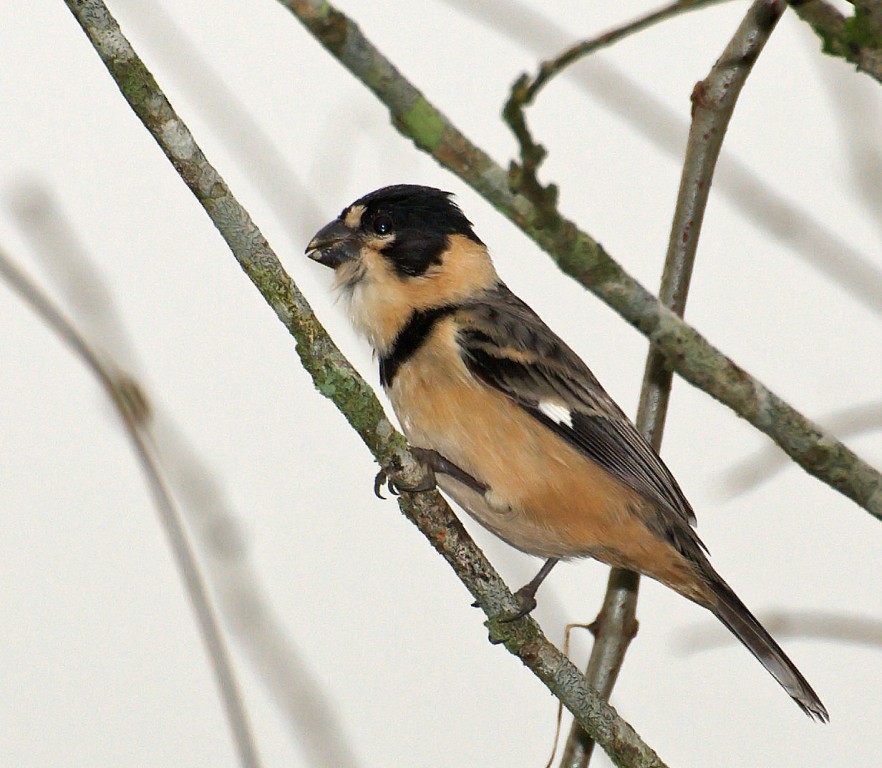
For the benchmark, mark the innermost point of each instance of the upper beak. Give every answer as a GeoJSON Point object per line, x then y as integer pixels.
{"type": "Point", "coordinates": [333, 244]}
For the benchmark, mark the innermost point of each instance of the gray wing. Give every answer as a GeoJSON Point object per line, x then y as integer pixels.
{"type": "Point", "coordinates": [506, 345]}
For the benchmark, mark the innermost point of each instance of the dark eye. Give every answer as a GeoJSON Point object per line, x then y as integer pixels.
{"type": "Point", "coordinates": [382, 224]}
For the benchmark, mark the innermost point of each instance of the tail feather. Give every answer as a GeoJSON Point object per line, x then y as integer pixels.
{"type": "Point", "coordinates": [742, 623]}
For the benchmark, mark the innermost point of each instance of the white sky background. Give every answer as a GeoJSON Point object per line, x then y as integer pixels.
{"type": "Point", "coordinates": [100, 663]}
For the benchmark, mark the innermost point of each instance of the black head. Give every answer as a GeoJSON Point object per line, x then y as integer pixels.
{"type": "Point", "coordinates": [409, 225]}
{"type": "Point", "coordinates": [420, 218]}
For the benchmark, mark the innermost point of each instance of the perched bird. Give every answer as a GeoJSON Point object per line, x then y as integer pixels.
{"type": "Point", "coordinates": [508, 419]}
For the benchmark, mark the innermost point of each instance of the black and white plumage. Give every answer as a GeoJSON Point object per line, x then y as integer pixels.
{"type": "Point", "coordinates": [519, 431]}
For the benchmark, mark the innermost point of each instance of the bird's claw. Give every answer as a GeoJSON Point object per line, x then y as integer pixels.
{"type": "Point", "coordinates": [526, 599]}
{"type": "Point", "coordinates": [396, 487]}
{"type": "Point", "coordinates": [433, 462]}
{"type": "Point", "coordinates": [382, 478]}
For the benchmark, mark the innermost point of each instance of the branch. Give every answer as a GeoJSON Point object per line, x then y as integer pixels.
{"type": "Point", "coordinates": [133, 413]}
{"type": "Point", "coordinates": [857, 39]}
{"type": "Point", "coordinates": [713, 103]}
{"type": "Point", "coordinates": [335, 378]}
{"type": "Point", "coordinates": [685, 350]}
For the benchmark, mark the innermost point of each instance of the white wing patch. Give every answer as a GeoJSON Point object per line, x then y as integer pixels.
{"type": "Point", "coordinates": [557, 412]}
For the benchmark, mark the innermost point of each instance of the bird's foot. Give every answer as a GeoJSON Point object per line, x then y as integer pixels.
{"type": "Point", "coordinates": [396, 488]}
{"type": "Point", "coordinates": [526, 595]}
{"type": "Point", "coordinates": [433, 462]}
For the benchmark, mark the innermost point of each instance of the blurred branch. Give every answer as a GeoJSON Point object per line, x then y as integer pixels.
{"type": "Point", "coordinates": [859, 119]}
{"type": "Point", "coordinates": [242, 134]}
{"type": "Point", "coordinates": [857, 39]}
{"type": "Point", "coordinates": [246, 611]}
{"type": "Point", "coordinates": [337, 380]}
{"type": "Point", "coordinates": [713, 103]}
{"type": "Point", "coordinates": [54, 241]}
{"type": "Point", "coordinates": [685, 350]}
{"type": "Point", "coordinates": [132, 410]}
{"type": "Point", "coordinates": [212, 522]}
{"type": "Point", "coordinates": [759, 467]}
{"type": "Point", "coordinates": [804, 625]}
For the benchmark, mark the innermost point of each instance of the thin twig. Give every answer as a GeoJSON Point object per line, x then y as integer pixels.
{"type": "Point", "coordinates": [524, 90]}
{"type": "Point", "coordinates": [553, 67]}
{"type": "Point", "coordinates": [123, 395]}
{"type": "Point", "coordinates": [685, 350]}
{"type": "Point", "coordinates": [337, 380]}
{"type": "Point", "coordinates": [857, 39]}
{"type": "Point", "coordinates": [713, 103]}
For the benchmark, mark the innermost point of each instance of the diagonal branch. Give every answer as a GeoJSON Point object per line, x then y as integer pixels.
{"type": "Point", "coordinates": [713, 103]}
{"type": "Point", "coordinates": [337, 380]}
{"type": "Point", "coordinates": [581, 257]}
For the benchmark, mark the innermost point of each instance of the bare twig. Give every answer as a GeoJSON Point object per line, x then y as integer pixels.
{"type": "Point", "coordinates": [524, 90]}
{"type": "Point", "coordinates": [553, 67]}
{"type": "Point", "coordinates": [337, 380]}
{"type": "Point", "coordinates": [713, 103]}
{"type": "Point", "coordinates": [129, 406]}
{"type": "Point", "coordinates": [857, 39]}
{"type": "Point", "coordinates": [523, 176]}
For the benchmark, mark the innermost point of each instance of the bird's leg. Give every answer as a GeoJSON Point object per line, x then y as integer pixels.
{"type": "Point", "coordinates": [437, 463]}
{"type": "Point", "coordinates": [433, 462]}
{"type": "Point", "coordinates": [526, 595]}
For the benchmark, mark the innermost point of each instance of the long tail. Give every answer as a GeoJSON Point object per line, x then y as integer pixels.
{"type": "Point", "coordinates": [742, 623]}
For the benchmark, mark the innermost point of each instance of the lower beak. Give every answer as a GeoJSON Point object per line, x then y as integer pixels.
{"type": "Point", "coordinates": [334, 244]}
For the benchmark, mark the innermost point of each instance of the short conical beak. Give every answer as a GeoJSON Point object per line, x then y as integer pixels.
{"type": "Point", "coordinates": [334, 244]}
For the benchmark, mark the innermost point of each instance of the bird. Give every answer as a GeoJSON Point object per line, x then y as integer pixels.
{"type": "Point", "coordinates": [508, 420]}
